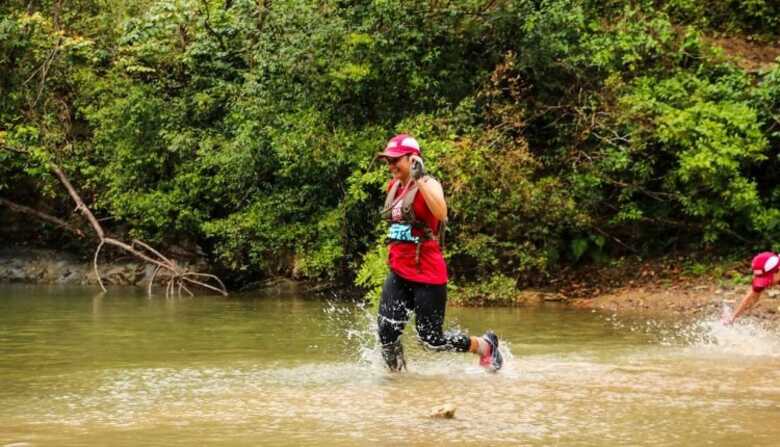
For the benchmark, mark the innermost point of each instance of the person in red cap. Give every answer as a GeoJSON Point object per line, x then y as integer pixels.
{"type": "Point", "coordinates": [766, 273]}
{"type": "Point", "coordinates": [416, 210]}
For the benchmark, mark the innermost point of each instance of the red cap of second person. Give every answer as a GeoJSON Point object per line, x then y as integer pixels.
{"type": "Point", "coordinates": [764, 265]}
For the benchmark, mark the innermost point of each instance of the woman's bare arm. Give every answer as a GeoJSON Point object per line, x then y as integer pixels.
{"type": "Point", "coordinates": [433, 194]}
{"type": "Point", "coordinates": [748, 301]}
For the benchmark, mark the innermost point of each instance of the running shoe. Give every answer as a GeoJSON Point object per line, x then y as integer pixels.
{"type": "Point", "coordinates": [492, 359]}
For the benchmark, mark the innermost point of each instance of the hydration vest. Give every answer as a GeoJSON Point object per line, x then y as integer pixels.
{"type": "Point", "coordinates": [408, 218]}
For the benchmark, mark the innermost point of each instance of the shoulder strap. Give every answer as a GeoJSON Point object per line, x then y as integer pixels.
{"type": "Point", "coordinates": [409, 216]}
{"type": "Point", "coordinates": [407, 206]}
{"type": "Point", "coordinates": [390, 197]}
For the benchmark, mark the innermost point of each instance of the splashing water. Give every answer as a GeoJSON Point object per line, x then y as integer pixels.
{"type": "Point", "coordinates": [709, 335]}
{"type": "Point", "coordinates": [355, 324]}
{"type": "Point", "coordinates": [744, 337]}
{"type": "Point", "coordinates": [356, 327]}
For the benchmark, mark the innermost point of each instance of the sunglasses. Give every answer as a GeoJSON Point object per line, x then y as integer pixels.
{"type": "Point", "coordinates": [392, 161]}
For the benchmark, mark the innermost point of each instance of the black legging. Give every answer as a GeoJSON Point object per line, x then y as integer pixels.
{"type": "Point", "coordinates": [399, 297]}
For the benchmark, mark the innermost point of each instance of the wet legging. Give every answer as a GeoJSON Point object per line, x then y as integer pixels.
{"type": "Point", "coordinates": [401, 296]}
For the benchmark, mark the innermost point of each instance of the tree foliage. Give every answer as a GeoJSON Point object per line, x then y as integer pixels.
{"type": "Point", "coordinates": [562, 131]}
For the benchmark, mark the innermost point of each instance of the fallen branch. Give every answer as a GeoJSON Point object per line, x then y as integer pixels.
{"type": "Point", "coordinates": [42, 216]}
{"type": "Point", "coordinates": [95, 264]}
{"type": "Point", "coordinates": [177, 275]}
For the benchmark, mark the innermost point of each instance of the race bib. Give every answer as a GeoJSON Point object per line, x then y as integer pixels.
{"type": "Point", "coordinates": [402, 232]}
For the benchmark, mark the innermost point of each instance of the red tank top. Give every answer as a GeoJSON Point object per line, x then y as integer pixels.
{"type": "Point", "coordinates": [402, 255]}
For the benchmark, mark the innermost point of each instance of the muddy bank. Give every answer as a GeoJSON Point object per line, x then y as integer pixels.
{"type": "Point", "coordinates": [37, 266]}
{"type": "Point", "coordinates": [689, 285]}
{"type": "Point", "coordinates": [702, 300]}
{"type": "Point", "coordinates": [55, 267]}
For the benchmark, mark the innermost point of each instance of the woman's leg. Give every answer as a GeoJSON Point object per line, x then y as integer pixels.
{"type": "Point", "coordinates": [430, 302]}
{"type": "Point", "coordinates": [394, 307]}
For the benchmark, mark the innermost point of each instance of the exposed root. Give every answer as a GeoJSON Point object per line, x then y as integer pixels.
{"type": "Point", "coordinates": [95, 263]}
{"type": "Point", "coordinates": [204, 285]}
{"type": "Point", "coordinates": [189, 292]}
{"type": "Point", "coordinates": [151, 280]}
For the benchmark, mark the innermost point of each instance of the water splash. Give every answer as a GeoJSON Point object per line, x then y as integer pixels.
{"type": "Point", "coordinates": [356, 326]}
{"type": "Point", "coordinates": [744, 337]}
{"type": "Point", "coordinates": [709, 334]}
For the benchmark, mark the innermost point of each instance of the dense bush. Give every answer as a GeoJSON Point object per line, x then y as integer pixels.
{"type": "Point", "coordinates": [562, 131]}
{"type": "Point", "coordinates": [760, 18]}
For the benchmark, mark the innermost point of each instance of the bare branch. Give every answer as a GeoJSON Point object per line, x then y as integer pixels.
{"type": "Point", "coordinates": [95, 263]}
{"type": "Point", "coordinates": [176, 274]}
{"type": "Point", "coordinates": [616, 239]}
{"type": "Point", "coordinates": [151, 280]}
{"type": "Point", "coordinates": [144, 245]}
{"type": "Point", "coordinates": [79, 203]}
{"type": "Point", "coordinates": [181, 284]}
{"type": "Point", "coordinates": [207, 275]}
{"type": "Point", "coordinates": [42, 216]}
{"type": "Point", "coordinates": [222, 292]}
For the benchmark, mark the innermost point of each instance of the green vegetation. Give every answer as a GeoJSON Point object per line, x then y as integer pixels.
{"type": "Point", "coordinates": [563, 131]}
{"type": "Point", "coordinates": [495, 290]}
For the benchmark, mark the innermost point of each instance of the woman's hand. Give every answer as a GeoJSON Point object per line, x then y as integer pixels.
{"type": "Point", "coordinates": [417, 167]}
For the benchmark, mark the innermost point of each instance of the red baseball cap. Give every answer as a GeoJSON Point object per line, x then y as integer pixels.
{"type": "Point", "coordinates": [400, 145]}
{"type": "Point", "coordinates": [765, 264]}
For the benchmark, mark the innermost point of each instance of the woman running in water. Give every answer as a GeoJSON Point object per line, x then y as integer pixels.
{"type": "Point", "coordinates": [415, 209]}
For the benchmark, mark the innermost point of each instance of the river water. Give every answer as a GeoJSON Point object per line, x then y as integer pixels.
{"type": "Point", "coordinates": [80, 368]}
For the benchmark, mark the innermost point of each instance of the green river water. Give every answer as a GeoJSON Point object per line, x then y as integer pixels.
{"type": "Point", "coordinates": [81, 368]}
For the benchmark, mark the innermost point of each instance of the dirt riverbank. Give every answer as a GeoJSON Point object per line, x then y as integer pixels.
{"type": "Point", "coordinates": [701, 299]}
{"type": "Point", "coordinates": [671, 286]}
